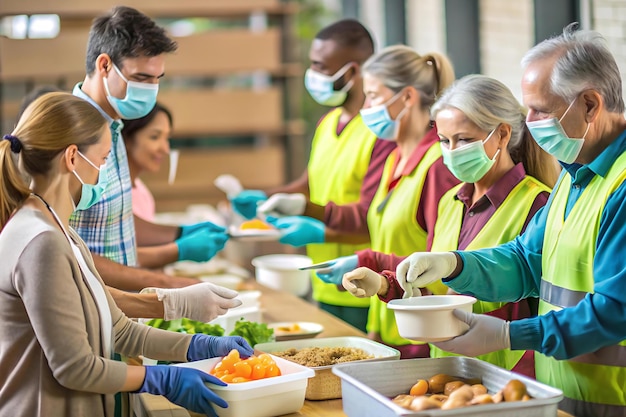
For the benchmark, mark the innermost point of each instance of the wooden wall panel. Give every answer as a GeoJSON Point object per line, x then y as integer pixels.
{"type": "Point", "coordinates": [206, 112]}
{"type": "Point", "coordinates": [226, 51]}
{"type": "Point", "coordinates": [197, 169]}
{"type": "Point", "coordinates": [152, 8]}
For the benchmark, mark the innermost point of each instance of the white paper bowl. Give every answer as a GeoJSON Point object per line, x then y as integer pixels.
{"type": "Point", "coordinates": [281, 272]}
{"type": "Point", "coordinates": [429, 318]}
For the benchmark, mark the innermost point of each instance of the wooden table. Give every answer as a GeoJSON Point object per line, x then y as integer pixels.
{"type": "Point", "coordinates": [276, 306]}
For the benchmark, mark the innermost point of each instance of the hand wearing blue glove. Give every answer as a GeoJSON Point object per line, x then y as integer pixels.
{"type": "Point", "coordinates": [299, 230]}
{"type": "Point", "coordinates": [203, 346]}
{"type": "Point", "coordinates": [485, 334]}
{"type": "Point", "coordinates": [188, 229]}
{"type": "Point", "coordinates": [201, 245]}
{"type": "Point", "coordinates": [183, 386]}
{"type": "Point", "coordinates": [245, 203]}
{"type": "Point", "coordinates": [334, 273]}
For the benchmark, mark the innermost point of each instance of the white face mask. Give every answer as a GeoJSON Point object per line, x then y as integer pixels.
{"type": "Point", "coordinates": [321, 86]}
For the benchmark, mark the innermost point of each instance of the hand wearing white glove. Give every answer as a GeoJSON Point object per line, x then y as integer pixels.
{"type": "Point", "coordinates": [201, 302]}
{"type": "Point", "coordinates": [486, 334]}
{"type": "Point", "coordinates": [362, 282]}
{"type": "Point", "coordinates": [423, 268]}
{"type": "Point", "coordinates": [283, 204]}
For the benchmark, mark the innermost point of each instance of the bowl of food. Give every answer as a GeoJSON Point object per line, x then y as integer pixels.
{"type": "Point", "coordinates": [429, 318]}
{"type": "Point", "coordinates": [281, 272]}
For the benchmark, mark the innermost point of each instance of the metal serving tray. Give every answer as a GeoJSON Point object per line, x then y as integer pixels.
{"type": "Point", "coordinates": [368, 388]}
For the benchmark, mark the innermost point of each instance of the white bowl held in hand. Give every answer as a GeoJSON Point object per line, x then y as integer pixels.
{"type": "Point", "coordinates": [429, 318]}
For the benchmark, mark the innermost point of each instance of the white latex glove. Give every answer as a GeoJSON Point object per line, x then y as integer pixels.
{"type": "Point", "coordinates": [362, 282]}
{"type": "Point", "coordinates": [423, 268]}
{"type": "Point", "coordinates": [486, 334]}
{"type": "Point", "coordinates": [200, 302]}
{"type": "Point", "coordinates": [283, 204]}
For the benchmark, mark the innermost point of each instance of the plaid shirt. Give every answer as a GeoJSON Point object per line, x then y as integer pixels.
{"type": "Point", "coordinates": [108, 227]}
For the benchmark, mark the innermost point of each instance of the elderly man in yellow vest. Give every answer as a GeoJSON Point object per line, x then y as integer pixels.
{"type": "Point", "coordinates": [572, 253]}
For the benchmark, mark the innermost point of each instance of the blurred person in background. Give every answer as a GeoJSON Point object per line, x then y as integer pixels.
{"type": "Point", "coordinates": [506, 180]}
{"type": "Point", "coordinates": [59, 325]}
{"type": "Point", "coordinates": [345, 164]}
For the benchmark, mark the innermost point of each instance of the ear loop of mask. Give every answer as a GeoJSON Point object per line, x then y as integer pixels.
{"type": "Point", "coordinates": [566, 111]}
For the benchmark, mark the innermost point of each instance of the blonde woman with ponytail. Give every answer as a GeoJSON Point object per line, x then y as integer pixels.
{"type": "Point", "coordinates": [59, 326]}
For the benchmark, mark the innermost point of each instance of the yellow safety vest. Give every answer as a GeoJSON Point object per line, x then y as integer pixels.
{"type": "Point", "coordinates": [394, 230]}
{"type": "Point", "coordinates": [595, 383]}
{"type": "Point", "coordinates": [504, 225]}
{"type": "Point", "coordinates": [336, 169]}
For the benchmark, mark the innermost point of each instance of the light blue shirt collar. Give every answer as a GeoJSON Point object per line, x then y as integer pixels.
{"type": "Point", "coordinates": [116, 124]}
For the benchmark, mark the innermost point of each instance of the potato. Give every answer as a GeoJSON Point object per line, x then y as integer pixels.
{"type": "Point", "coordinates": [481, 399]}
{"type": "Point", "coordinates": [424, 403]}
{"type": "Point", "coordinates": [403, 400]}
{"type": "Point", "coordinates": [437, 383]}
{"type": "Point", "coordinates": [450, 387]}
{"type": "Point", "coordinates": [514, 390]}
{"type": "Point", "coordinates": [420, 388]}
{"type": "Point", "coordinates": [459, 398]}
{"type": "Point", "coordinates": [439, 397]}
{"type": "Point", "coordinates": [479, 389]}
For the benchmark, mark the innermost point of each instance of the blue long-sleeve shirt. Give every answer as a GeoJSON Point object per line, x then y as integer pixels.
{"type": "Point", "coordinates": [512, 271]}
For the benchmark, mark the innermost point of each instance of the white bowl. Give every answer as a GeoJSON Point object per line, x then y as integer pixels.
{"type": "Point", "coordinates": [429, 318]}
{"type": "Point", "coordinates": [281, 272]}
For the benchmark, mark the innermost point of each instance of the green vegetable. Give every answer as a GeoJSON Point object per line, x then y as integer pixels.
{"type": "Point", "coordinates": [253, 332]}
{"type": "Point", "coordinates": [187, 326]}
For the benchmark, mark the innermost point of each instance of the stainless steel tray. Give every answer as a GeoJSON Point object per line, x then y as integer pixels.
{"type": "Point", "coordinates": [368, 388]}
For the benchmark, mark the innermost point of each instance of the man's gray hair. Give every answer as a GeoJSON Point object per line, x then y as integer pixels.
{"type": "Point", "coordinates": [584, 62]}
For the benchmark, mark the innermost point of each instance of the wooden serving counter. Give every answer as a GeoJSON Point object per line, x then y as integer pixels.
{"type": "Point", "coordinates": [276, 306]}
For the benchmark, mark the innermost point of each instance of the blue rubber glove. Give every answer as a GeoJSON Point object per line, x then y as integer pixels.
{"type": "Point", "coordinates": [245, 202]}
{"type": "Point", "coordinates": [334, 273]}
{"type": "Point", "coordinates": [299, 230]}
{"type": "Point", "coordinates": [201, 245]}
{"type": "Point", "coordinates": [203, 346]}
{"type": "Point", "coordinates": [486, 334]}
{"type": "Point", "coordinates": [188, 229]}
{"type": "Point", "coordinates": [183, 386]}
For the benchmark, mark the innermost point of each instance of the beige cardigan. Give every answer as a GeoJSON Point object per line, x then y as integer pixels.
{"type": "Point", "coordinates": [50, 346]}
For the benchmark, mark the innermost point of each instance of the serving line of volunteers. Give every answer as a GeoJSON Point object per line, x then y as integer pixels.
{"type": "Point", "coordinates": [345, 164]}
{"type": "Point", "coordinates": [400, 86]}
{"type": "Point", "coordinates": [571, 253]}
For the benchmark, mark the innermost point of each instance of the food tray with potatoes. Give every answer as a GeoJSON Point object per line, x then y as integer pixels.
{"type": "Point", "coordinates": [325, 385]}
{"type": "Point", "coordinates": [369, 389]}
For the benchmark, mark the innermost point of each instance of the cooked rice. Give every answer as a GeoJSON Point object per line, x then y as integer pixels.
{"type": "Point", "coordinates": [323, 356]}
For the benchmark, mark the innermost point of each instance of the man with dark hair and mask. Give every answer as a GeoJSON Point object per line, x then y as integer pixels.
{"type": "Point", "coordinates": [125, 61]}
{"type": "Point", "coordinates": [345, 165]}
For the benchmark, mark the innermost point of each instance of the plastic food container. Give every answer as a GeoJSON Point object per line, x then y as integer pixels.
{"type": "Point", "coordinates": [263, 398]}
{"type": "Point", "coordinates": [325, 385]}
{"type": "Point", "coordinates": [429, 318]}
{"type": "Point", "coordinates": [281, 272]}
{"type": "Point", "coordinates": [369, 387]}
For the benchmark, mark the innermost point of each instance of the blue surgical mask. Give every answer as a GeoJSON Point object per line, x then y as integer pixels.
{"type": "Point", "coordinates": [139, 100]}
{"type": "Point", "coordinates": [91, 193]}
{"type": "Point", "coordinates": [551, 137]}
{"type": "Point", "coordinates": [321, 86]}
{"type": "Point", "coordinates": [469, 163]}
{"type": "Point", "coordinates": [378, 120]}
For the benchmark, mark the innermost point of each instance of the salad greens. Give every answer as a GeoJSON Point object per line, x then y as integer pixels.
{"type": "Point", "coordinates": [252, 331]}
{"type": "Point", "coordinates": [187, 326]}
